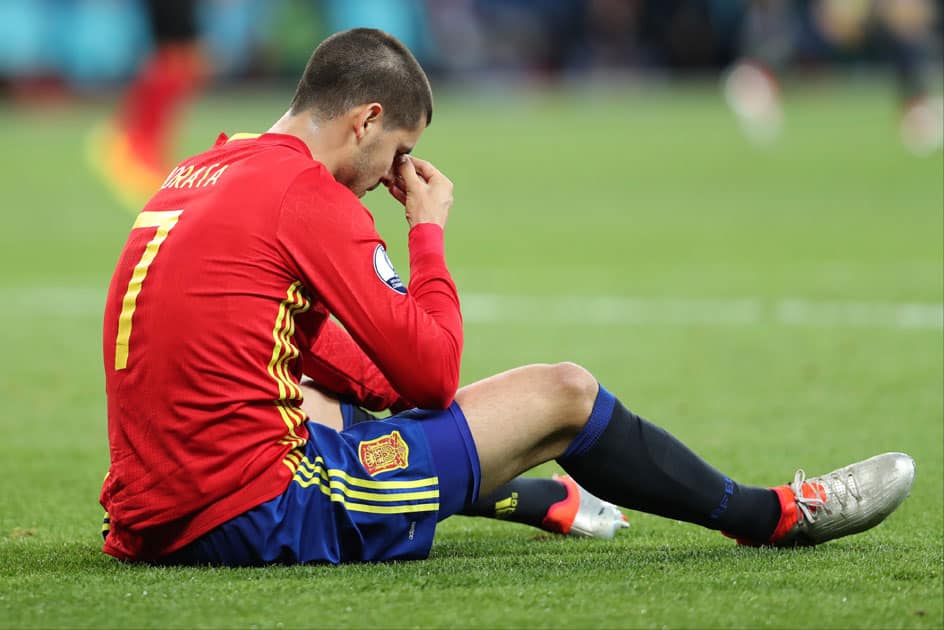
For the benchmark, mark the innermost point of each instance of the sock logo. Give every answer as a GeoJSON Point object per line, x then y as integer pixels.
{"type": "Point", "coordinates": [728, 493]}
{"type": "Point", "coordinates": [506, 507]}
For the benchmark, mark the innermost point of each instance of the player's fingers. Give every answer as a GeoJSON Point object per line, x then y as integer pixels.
{"type": "Point", "coordinates": [425, 169]}
{"type": "Point", "coordinates": [407, 174]}
{"type": "Point", "coordinates": [397, 193]}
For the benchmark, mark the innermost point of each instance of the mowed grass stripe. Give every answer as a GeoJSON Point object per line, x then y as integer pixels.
{"type": "Point", "coordinates": [481, 308]}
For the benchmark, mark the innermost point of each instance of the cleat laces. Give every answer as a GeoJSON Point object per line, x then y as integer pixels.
{"type": "Point", "coordinates": [835, 484]}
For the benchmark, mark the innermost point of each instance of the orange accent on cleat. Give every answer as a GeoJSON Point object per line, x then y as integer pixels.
{"type": "Point", "coordinates": [789, 513]}
{"type": "Point", "coordinates": [560, 516]}
{"type": "Point", "coordinates": [582, 514]}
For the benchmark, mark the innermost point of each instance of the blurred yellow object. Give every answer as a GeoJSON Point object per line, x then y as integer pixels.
{"type": "Point", "coordinates": [846, 22]}
{"type": "Point", "coordinates": [130, 179]}
{"type": "Point", "coordinates": [908, 19]}
{"type": "Point", "coordinates": [843, 22]}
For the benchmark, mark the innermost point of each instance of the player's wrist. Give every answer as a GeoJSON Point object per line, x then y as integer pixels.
{"type": "Point", "coordinates": [426, 238]}
{"type": "Point", "coordinates": [440, 223]}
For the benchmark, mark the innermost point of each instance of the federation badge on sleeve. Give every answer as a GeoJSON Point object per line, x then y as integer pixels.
{"type": "Point", "coordinates": [385, 271]}
{"type": "Point", "coordinates": [388, 452]}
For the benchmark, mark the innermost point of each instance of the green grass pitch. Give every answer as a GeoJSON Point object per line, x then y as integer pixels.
{"type": "Point", "coordinates": [775, 307]}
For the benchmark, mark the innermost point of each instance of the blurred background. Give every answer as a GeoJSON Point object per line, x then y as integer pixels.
{"type": "Point", "coordinates": [59, 48]}
{"type": "Point", "coordinates": [83, 44]}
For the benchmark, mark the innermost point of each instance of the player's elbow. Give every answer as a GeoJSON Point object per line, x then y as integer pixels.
{"type": "Point", "coordinates": [436, 393]}
{"type": "Point", "coordinates": [436, 402]}
{"type": "Point", "coordinates": [437, 382]}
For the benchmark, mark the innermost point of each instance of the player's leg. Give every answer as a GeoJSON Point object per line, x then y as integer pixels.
{"type": "Point", "coordinates": [529, 415]}
{"type": "Point", "coordinates": [321, 407]}
{"type": "Point", "coordinates": [751, 87]}
{"type": "Point", "coordinates": [523, 417]}
{"type": "Point", "coordinates": [165, 81]}
{"type": "Point", "coordinates": [905, 35]}
{"type": "Point", "coordinates": [132, 152]}
{"type": "Point", "coordinates": [557, 505]}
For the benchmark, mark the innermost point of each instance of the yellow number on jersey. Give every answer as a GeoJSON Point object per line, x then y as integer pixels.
{"type": "Point", "coordinates": [164, 222]}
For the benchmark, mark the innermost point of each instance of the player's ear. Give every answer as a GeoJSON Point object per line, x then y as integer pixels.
{"type": "Point", "coordinates": [369, 116]}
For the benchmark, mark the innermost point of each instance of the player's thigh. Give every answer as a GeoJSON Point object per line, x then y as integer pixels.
{"type": "Point", "coordinates": [525, 416]}
{"type": "Point", "coordinates": [321, 407]}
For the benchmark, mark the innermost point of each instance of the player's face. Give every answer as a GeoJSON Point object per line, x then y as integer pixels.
{"type": "Point", "coordinates": [376, 156]}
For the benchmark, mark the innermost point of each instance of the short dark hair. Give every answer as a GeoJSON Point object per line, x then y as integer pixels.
{"type": "Point", "coordinates": [364, 65]}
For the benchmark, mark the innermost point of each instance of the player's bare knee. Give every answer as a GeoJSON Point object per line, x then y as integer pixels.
{"type": "Point", "coordinates": [578, 389]}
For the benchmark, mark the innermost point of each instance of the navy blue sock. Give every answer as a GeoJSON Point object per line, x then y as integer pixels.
{"type": "Point", "coordinates": [629, 461]}
{"type": "Point", "coordinates": [522, 500]}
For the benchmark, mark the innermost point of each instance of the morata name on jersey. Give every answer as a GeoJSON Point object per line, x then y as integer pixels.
{"type": "Point", "coordinates": [189, 177]}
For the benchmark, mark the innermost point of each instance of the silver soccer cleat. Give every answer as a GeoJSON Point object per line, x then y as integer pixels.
{"type": "Point", "coordinates": [595, 518]}
{"type": "Point", "coordinates": [848, 500]}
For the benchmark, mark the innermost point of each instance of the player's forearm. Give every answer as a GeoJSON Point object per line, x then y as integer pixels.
{"type": "Point", "coordinates": [434, 291]}
{"type": "Point", "coordinates": [430, 282]}
{"type": "Point", "coordinates": [336, 363]}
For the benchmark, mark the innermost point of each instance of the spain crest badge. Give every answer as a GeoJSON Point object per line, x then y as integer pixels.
{"type": "Point", "coordinates": [388, 452]}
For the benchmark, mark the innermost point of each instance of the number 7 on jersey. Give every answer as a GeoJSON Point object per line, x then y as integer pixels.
{"type": "Point", "coordinates": [164, 221]}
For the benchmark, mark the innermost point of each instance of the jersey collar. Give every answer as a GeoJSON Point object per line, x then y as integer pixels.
{"type": "Point", "coordinates": [269, 138]}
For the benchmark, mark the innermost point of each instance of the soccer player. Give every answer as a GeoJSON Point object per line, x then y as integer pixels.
{"type": "Point", "coordinates": [223, 297]}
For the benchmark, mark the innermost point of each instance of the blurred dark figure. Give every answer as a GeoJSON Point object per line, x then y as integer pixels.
{"type": "Point", "coordinates": [534, 35]}
{"type": "Point", "coordinates": [132, 151]}
{"type": "Point", "coordinates": [612, 34]}
{"type": "Point", "coordinates": [690, 35]}
{"type": "Point", "coordinates": [555, 37]}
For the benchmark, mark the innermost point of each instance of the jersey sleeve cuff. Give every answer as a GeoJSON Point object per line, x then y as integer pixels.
{"type": "Point", "coordinates": [425, 239]}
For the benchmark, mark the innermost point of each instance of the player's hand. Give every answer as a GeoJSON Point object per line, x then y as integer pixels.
{"type": "Point", "coordinates": [424, 191]}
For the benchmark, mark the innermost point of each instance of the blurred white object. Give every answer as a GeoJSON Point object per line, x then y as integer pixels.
{"type": "Point", "coordinates": [922, 126]}
{"type": "Point", "coordinates": [753, 95]}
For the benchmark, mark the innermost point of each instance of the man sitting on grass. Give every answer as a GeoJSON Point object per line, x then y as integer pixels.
{"type": "Point", "coordinates": [223, 299]}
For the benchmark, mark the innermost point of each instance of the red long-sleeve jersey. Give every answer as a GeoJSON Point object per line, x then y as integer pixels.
{"type": "Point", "coordinates": [221, 292]}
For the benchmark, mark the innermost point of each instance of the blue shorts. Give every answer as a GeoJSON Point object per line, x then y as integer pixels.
{"type": "Point", "coordinates": [372, 492]}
